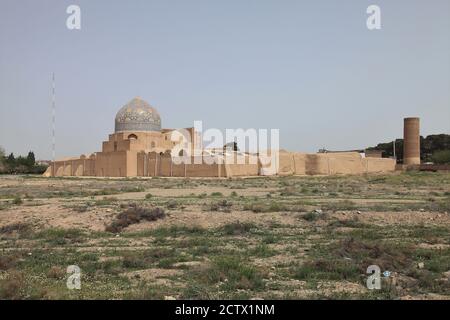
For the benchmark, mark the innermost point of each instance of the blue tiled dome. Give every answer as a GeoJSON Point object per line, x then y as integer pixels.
{"type": "Point", "coordinates": [137, 115]}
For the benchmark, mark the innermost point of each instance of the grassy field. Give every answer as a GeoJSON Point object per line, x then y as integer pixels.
{"type": "Point", "coordinates": [255, 238]}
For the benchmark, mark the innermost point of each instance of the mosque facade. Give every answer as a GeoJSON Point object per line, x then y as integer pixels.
{"type": "Point", "coordinates": [140, 147]}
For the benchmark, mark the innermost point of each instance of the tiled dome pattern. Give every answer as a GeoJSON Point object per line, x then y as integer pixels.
{"type": "Point", "coordinates": [137, 115]}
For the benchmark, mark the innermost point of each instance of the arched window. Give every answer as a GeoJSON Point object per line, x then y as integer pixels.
{"type": "Point", "coordinates": [132, 137]}
{"type": "Point", "coordinates": [153, 144]}
{"type": "Point", "coordinates": [181, 153]}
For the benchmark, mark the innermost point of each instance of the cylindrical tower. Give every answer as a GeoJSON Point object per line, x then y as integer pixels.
{"type": "Point", "coordinates": [411, 141]}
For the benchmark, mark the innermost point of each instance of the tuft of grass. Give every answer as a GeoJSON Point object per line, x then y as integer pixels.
{"type": "Point", "coordinates": [262, 251]}
{"type": "Point", "coordinates": [270, 239]}
{"type": "Point", "coordinates": [231, 273]}
{"type": "Point", "coordinates": [288, 191]}
{"type": "Point", "coordinates": [326, 269]}
{"type": "Point", "coordinates": [222, 206]}
{"type": "Point", "coordinates": [237, 228]}
{"type": "Point", "coordinates": [17, 200]}
{"type": "Point", "coordinates": [339, 206]}
{"type": "Point", "coordinates": [172, 204]}
{"type": "Point", "coordinates": [259, 207]}
{"type": "Point", "coordinates": [146, 258]}
{"type": "Point", "coordinates": [351, 223]}
{"type": "Point", "coordinates": [106, 201]}
{"type": "Point", "coordinates": [59, 236]}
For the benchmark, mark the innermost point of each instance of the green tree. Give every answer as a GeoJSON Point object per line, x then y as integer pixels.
{"type": "Point", "coordinates": [2, 160]}
{"type": "Point", "coordinates": [441, 157]}
{"type": "Point", "coordinates": [11, 160]}
{"type": "Point", "coordinates": [31, 160]}
{"type": "Point", "coordinates": [428, 147]}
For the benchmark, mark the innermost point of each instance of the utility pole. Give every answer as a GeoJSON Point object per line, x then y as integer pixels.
{"type": "Point", "coordinates": [53, 116]}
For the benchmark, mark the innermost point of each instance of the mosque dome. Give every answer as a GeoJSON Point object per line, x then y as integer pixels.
{"type": "Point", "coordinates": [137, 115]}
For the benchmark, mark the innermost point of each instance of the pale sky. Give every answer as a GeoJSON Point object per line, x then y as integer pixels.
{"type": "Point", "coordinates": [309, 68]}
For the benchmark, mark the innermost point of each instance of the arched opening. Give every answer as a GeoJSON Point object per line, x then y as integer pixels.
{"type": "Point", "coordinates": [132, 137]}
{"type": "Point", "coordinates": [182, 153]}
{"type": "Point", "coordinates": [153, 144]}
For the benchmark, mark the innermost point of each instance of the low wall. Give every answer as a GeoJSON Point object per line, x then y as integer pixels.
{"type": "Point", "coordinates": [379, 165]}
{"type": "Point", "coordinates": [154, 164]}
{"type": "Point", "coordinates": [291, 163]}
{"type": "Point", "coordinates": [73, 167]}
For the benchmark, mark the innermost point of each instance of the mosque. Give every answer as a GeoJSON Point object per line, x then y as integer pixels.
{"type": "Point", "coordinates": [140, 147]}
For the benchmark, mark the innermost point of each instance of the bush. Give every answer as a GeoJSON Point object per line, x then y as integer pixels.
{"type": "Point", "coordinates": [56, 272]}
{"type": "Point", "coordinates": [17, 200]}
{"type": "Point", "coordinates": [20, 164]}
{"type": "Point", "coordinates": [134, 215]}
{"type": "Point", "coordinates": [11, 286]}
{"type": "Point", "coordinates": [237, 228]}
{"type": "Point", "coordinates": [326, 269]}
{"type": "Point", "coordinates": [172, 204]}
{"type": "Point", "coordinates": [441, 157]}
{"type": "Point", "coordinates": [260, 207]}
{"type": "Point", "coordinates": [310, 216]}
{"type": "Point", "coordinates": [8, 261]}
{"type": "Point", "coordinates": [288, 191]}
{"type": "Point", "coordinates": [20, 228]}
{"type": "Point", "coordinates": [235, 274]}
{"type": "Point", "coordinates": [106, 201]}
{"type": "Point", "coordinates": [223, 206]}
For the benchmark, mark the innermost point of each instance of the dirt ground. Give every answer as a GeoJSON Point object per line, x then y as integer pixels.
{"type": "Point", "coordinates": [281, 238]}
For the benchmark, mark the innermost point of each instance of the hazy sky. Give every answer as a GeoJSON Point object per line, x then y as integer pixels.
{"type": "Point", "coordinates": [309, 68]}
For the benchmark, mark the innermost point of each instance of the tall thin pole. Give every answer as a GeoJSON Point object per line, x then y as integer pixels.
{"type": "Point", "coordinates": [395, 156]}
{"type": "Point", "coordinates": [53, 116]}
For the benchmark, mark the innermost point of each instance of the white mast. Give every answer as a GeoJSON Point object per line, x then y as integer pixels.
{"type": "Point", "coordinates": [53, 116]}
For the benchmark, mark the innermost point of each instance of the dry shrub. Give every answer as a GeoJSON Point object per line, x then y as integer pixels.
{"type": "Point", "coordinates": [19, 228]}
{"type": "Point", "coordinates": [11, 286]}
{"type": "Point", "coordinates": [9, 261]}
{"type": "Point", "coordinates": [385, 256]}
{"type": "Point", "coordinates": [223, 206]}
{"type": "Point", "coordinates": [56, 272]}
{"type": "Point", "coordinates": [288, 191]}
{"type": "Point", "coordinates": [134, 215]}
